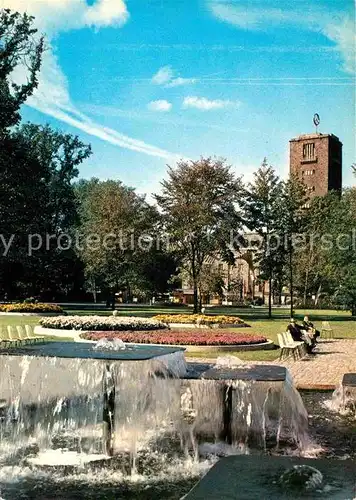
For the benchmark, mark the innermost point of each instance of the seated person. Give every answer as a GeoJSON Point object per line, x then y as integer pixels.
{"type": "Point", "coordinates": [295, 331]}
{"type": "Point", "coordinates": [309, 327]}
{"type": "Point", "coordinates": [299, 335]}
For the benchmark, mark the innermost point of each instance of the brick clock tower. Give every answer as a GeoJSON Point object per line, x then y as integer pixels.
{"type": "Point", "coordinates": [317, 160]}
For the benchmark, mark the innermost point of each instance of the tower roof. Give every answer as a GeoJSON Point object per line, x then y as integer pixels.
{"type": "Point", "coordinates": [303, 137]}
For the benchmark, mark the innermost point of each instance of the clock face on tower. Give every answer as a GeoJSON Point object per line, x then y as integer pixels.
{"type": "Point", "coordinates": [316, 119]}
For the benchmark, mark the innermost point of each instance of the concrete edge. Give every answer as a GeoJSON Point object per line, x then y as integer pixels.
{"type": "Point", "coordinates": [315, 387]}
{"type": "Point", "coordinates": [75, 334]}
{"type": "Point", "coordinates": [212, 326]}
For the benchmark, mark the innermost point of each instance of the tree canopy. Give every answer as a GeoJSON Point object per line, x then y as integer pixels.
{"type": "Point", "coordinates": [200, 214]}
{"type": "Point", "coordinates": [20, 49]}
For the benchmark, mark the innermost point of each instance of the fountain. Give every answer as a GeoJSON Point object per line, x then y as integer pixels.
{"type": "Point", "coordinates": [344, 397]}
{"type": "Point", "coordinates": [246, 406]}
{"type": "Point", "coordinates": [49, 391]}
{"type": "Point", "coordinates": [121, 405]}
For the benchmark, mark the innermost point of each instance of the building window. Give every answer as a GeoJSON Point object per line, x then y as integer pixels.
{"type": "Point", "coordinates": [309, 151]}
{"type": "Point", "coordinates": [308, 172]}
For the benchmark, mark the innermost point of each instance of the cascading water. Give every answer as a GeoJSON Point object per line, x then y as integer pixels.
{"type": "Point", "coordinates": [68, 411]}
{"type": "Point", "coordinates": [54, 402]}
{"type": "Point", "coordinates": [247, 413]}
{"type": "Point", "coordinates": [343, 401]}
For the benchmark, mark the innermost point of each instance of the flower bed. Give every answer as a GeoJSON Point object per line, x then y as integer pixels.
{"type": "Point", "coordinates": [199, 319]}
{"type": "Point", "coordinates": [102, 323]}
{"type": "Point", "coordinates": [181, 337]}
{"type": "Point", "coordinates": [31, 308]}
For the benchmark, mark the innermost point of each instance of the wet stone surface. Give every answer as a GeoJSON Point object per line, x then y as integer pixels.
{"type": "Point", "coordinates": [349, 379]}
{"type": "Point", "coordinates": [265, 373]}
{"type": "Point", "coordinates": [280, 478]}
{"type": "Point", "coordinates": [83, 350]}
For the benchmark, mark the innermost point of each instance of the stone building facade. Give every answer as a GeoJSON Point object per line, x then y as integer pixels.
{"type": "Point", "coordinates": [241, 283]}
{"type": "Point", "coordinates": [317, 160]}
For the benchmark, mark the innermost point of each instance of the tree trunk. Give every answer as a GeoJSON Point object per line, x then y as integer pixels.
{"type": "Point", "coordinates": [195, 277]}
{"type": "Point", "coordinates": [270, 297]}
{"type": "Point", "coordinates": [291, 280]}
{"type": "Point", "coordinates": [196, 298]}
{"type": "Point", "coordinates": [317, 296]}
{"type": "Point", "coordinates": [306, 286]}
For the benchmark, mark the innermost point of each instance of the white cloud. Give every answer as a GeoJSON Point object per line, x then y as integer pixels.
{"type": "Point", "coordinates": [344, 37]}
{"type": "Point", "coordinates": [176, 82]}
{"type": "Point", "coordinates": [106, 12]}
{"type": "Point", "coordinates": [251, 18]}
{"type": "Point", "coordinates": [205, 104]}
{"type": "Point", "coordinates": [52, 96]}
{"type": "Point", "coordinates": [59, 15]}
{"type": "Point", "coordinates": [335, 26]}
{"type": "Point", "coordinates": [165, 76]}
{"type": "Point", "coordinates": [161, 105]}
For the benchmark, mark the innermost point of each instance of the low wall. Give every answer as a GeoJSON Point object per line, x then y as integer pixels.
{"type": "Point", "coordinates": [263, 346]}
{"type": "Point", "coordinates": [205, 326]}
{"type": "Point", "coordinates": [60, 333]}
{"type": "Point", "coordinates": [75, 335]}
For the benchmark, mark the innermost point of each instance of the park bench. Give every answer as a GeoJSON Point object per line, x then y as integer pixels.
{"type": "Point", "coordinates": [30, 336]}
{"type": "Point", "coordinates": [22, 336]}
{"type": "Point", "coordinates": [21, 333]}
{"type": "Point", "coordinates": [289, 346]}
{"type": "Point", "coordinates": [11, 338]}
{"type": "Point", "coordinates": [5, 341]}
{"type": "Point", "coordinates": [326, 331]}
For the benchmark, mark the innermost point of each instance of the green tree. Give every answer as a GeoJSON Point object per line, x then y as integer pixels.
{"type": "Point", "coordinates": [37, 167]}
{"type": "Point", "coordinates": [211, 283]}
{"type": "Point", "coordinates": [262, 212]}
{"type": "Point", "coordinates": [118, 230]}
{"type": "Point", "coordinates": [199, 209]}
{"type": "Point", "coordinates": [158, 270]}
{"type": "Point", "coordinates": [291, 225]}
{"type": "Point", "coordinates": [342, 253]}
{"type": "Point", "coordinates": [313, 274]}
{"type": "Point", "coordinates": [19, 46]}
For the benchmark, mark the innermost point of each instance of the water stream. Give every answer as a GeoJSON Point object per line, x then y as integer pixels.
{"type": "Point", "coordinates": [56, 414]}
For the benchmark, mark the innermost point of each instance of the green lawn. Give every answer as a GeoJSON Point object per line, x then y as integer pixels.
{"type": "Point", "coordinates": [343, 328]}
{"type": "Point", "coordinates": [341, 321]}
{"type": "Point", "coordinates": [18, 320]}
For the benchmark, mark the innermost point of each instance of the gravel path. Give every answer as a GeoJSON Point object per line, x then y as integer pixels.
{"type": "Point", "coordinates": [323, 370]}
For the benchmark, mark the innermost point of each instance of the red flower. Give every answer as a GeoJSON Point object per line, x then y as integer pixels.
{"type": "Point", "coordinates": [179, 337]}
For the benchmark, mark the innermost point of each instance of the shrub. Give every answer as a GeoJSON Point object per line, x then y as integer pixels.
{"type": "Point", "coordinates": [29, 300]}
{"type": "Point", "coordinates": [105, 323]}
{"type": "Point", "coordinates": [31, 308]}
{"type": "Point", "coordinates": [180, 337]}
{"type": "Point", "coordinates": [202, 319]}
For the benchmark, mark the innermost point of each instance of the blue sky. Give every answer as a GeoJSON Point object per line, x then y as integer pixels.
{"type": "Point", "coordinates": [147, 82]}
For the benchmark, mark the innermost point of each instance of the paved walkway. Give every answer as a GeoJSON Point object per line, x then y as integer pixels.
{"type": "Point", "coordinates": [324, 370]}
